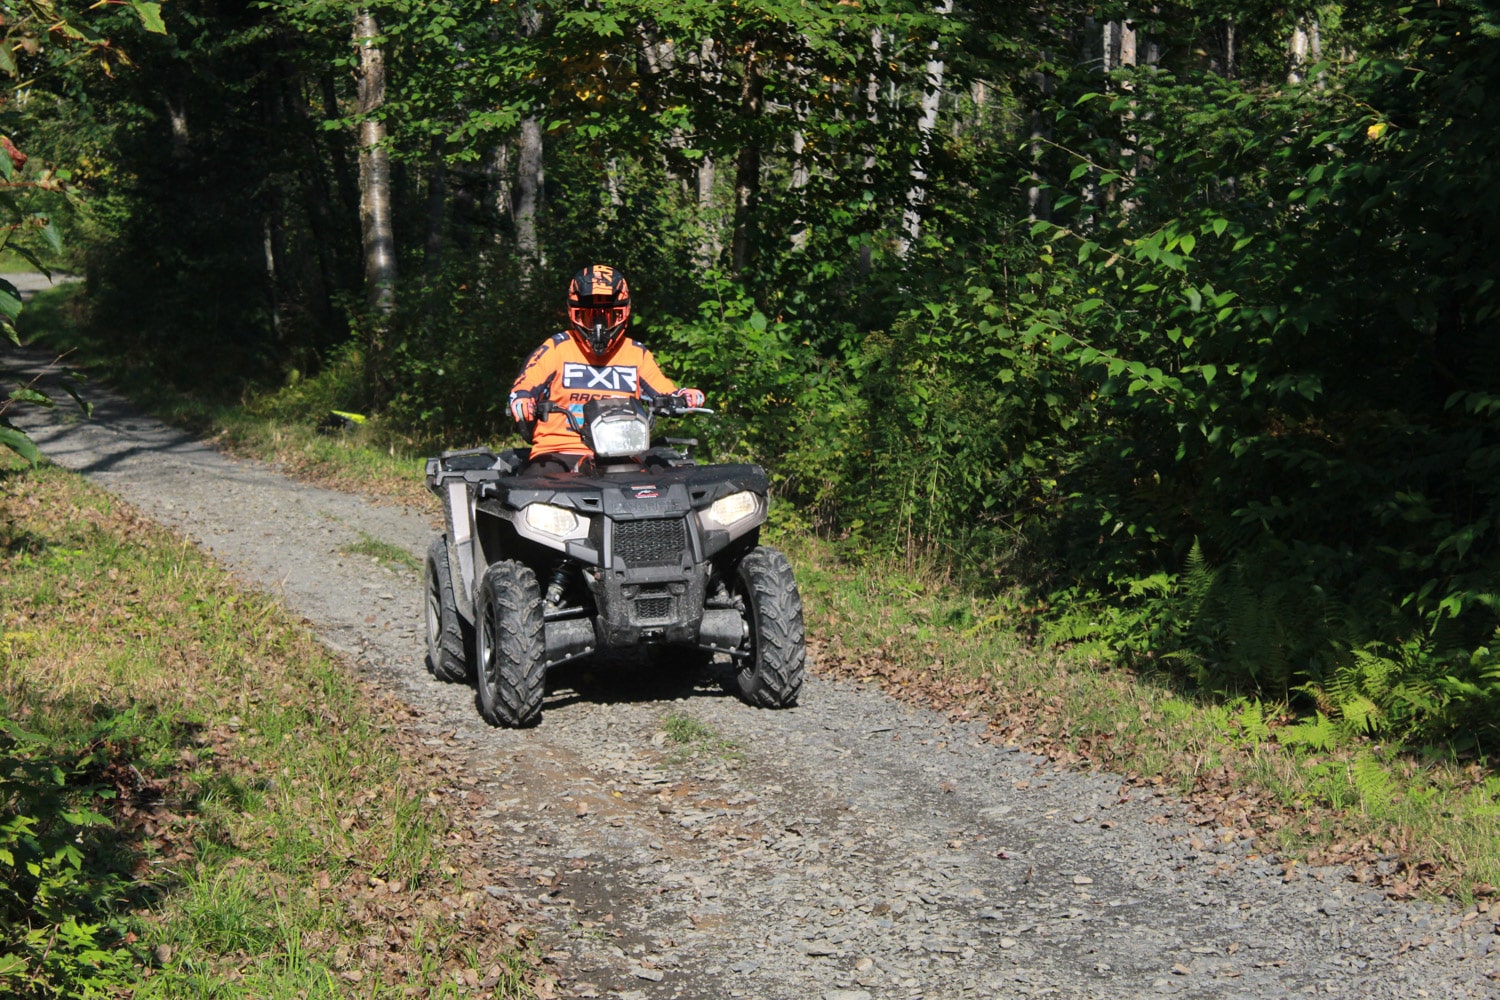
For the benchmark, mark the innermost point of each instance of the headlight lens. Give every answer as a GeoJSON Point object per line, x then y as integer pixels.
{"type": "Point", "coordinates": [552, 520]}
{"type": "Point", "coordinates": [734, 508]}
{"type": "Point", "coordinates": [620, 436]}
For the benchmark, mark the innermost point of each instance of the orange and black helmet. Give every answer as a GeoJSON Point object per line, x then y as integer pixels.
{"type": "Point", "coordinates": [598, 309]}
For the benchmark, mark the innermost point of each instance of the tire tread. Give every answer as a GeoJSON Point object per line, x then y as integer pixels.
{"type": "Point", "coordinates": [449, 653]}
{"type": "Point", "coordinates": [512, 695]}
{"type": "Point", "coordinates": [774, 678]}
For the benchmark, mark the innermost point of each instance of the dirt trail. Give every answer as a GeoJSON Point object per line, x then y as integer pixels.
{"type": "Point", "coordinates": [849, 848]}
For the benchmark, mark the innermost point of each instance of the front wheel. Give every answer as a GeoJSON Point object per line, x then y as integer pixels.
{"type": "Point", "coordinates": [771, 676]}
{"type": "Point", "coordinates": [450, 639]}
{"type": "Point", "coordinates": [511, 671]}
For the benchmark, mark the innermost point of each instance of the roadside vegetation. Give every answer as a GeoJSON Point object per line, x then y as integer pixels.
{"type": "Point", "coordinates": [1409, 815]}
{"type": "Point", "coordinates": [196, 799]}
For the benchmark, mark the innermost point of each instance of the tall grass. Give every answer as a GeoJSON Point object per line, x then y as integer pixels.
{"type": "Point", "coordinates": [247, 814]}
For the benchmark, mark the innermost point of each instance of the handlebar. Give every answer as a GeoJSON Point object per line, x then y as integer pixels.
{"type": "Point", "coordinates": [660, 406]}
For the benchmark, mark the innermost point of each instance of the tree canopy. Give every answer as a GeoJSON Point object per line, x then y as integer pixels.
{"type": "Point", "coordinates": [1173, 320]}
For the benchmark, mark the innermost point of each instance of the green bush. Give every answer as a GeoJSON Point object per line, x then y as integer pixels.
{"type": "Point", "coordinates": [63, 876]}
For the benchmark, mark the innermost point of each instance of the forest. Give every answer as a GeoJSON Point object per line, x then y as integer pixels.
{"type": "Point", "coordinates": [1169, 326]}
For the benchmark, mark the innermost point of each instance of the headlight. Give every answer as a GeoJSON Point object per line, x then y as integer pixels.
{"type": "Point", "coordinates": [559, 522]}
{"type": "Point", "coordinates": [615, 436]}
{"type": "Point", "coordinates": [731, 510]}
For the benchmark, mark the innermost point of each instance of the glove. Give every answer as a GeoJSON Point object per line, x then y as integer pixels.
{"type": "Point", "coordinates": [690, 397]}
{"type": "Point", "coordinates": [523, 409]}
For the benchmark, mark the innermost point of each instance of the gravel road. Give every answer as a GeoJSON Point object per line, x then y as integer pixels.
{"type": "Point", "coordinates": [852, 847]}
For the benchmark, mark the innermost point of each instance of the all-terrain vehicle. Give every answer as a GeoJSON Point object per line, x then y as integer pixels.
{"type": "Point", "coordinates": [641, 547]}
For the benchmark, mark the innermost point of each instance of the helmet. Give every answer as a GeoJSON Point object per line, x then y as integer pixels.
{"type": "Point", "coordinates": [598, 309]}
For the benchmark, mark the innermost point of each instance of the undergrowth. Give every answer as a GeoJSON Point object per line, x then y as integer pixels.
{"type": "Point", "coordinates": [1305, 785]}
{"type": "Point", "coordinates": [195, 800]}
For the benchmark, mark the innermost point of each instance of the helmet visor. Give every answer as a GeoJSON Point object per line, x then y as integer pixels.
{"type": "Point", "coordinates": [600, 324]}
{"type": "Point", "coordinates": [608, 317]}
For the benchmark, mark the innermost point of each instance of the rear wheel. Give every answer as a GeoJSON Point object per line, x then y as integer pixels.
{"type": "Point", "coordinates": [511, 670]}
{"type": "Point", "coordinates": [771, 676]}
{"type": "Point", "coordinates": [450, 639]}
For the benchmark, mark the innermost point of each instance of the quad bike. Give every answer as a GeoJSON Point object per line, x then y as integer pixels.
{"type": "Point", "coordinates": [640, 548]}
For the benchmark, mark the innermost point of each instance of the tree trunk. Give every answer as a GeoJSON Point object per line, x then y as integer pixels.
{"type": "Point", "coordinates": [181, 137]}
{"type": "Point", "coordinates": [1127, 51]}
{"type": "Point", "coordinates": [1038, 204]}
{"type": "Point", "coordinates": [800, 176]}
{"type": "Point", "coordinates": [528, 200]}
{"type": "Point", "coordinates": [747, 165]}
{"type": "Point", "coordinates": [709, 245]}
{"type": "Point", "coordinates": [346, 208]}
{"type": "Point", "coordinates": [437, 212]}
{"type": "Point", "coordinates": [1305, 46]}
{"type": "Point", "coordinates": [916, 195]}
{"type": "Point", "coordinates": [379, 239]}
{"type": "Point", "coordinates": [872, 110]}
{"type": "Point", "coordinates": [376, 230]}
{"type": "Point", "coordinates": [316, 192]}
{"type": "Point", "coordinates": [272, 246]}
{"type": "Point", "coordinates": [529, 175]}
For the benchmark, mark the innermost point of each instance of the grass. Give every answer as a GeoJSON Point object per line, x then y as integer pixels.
{"type": "Point", "coordinates": [1413, 821]}
{"type": "Point", "coordinates": [693, 736]}
{"type": "Point", "coordinates": [266, 810]}
{"type": "Point", "coordinates": [388, 555]}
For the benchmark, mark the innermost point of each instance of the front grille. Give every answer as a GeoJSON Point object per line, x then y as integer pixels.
{"type": "Point", "coordinates": [653, 609]}
{"type": "Point", "coordinates": [650, 543]}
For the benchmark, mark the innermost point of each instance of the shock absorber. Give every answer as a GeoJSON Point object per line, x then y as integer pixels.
{"type": "Point", "coordinates": [561, 577]}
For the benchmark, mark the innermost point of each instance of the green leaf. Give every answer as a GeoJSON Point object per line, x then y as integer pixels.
{"type": "Point", "coordinates": [1219, 225]}
{"type": "Point", "coordinates": [150, 14]}
{"type": "Point", "coordinates": [19, 443]}
{"type": "Point", "coordinates": [49, 232]}
{"type": "Point", "coordinates": [22, 394]}
{"type": "Point", "coordinates": [10, 300]}
{"type": "Point", "coordinates": [1209, 371]}
{"type": "Point", "coordinates": [1188, 242]}
{"type": "Point", "coordinates": [72, 390]}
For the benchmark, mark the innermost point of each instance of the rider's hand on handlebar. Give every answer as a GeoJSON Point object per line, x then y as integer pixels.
{"type": "Point", "coordinates": [690, 398]}
{"type": "Point", "coordinates": [523, 409]}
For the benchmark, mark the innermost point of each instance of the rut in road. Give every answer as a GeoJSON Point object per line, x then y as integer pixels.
{"type": "Point", "coordinates": [849, 847]}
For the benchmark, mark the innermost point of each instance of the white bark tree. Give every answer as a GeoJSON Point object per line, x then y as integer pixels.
{"type": "Point", "coordinates": [376, 227]}
{"type": "Point", "coordinates": [916, 195]}
{"type": "Point", "coordinates": [1305, 46]}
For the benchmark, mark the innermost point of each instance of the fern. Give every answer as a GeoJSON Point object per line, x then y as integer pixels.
{"type": "Point", "coordinates": [1373, 782]}
{"type": "Point", "coordinates": [1197, 579]}
{"type": "Point", "coordinates": [1320, 734]}
{"type": "Point", "coordinates": [1252, 721]}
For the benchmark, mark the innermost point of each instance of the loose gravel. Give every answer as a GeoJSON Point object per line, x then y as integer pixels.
{"type": "Point", "coordinates": [851, 848]}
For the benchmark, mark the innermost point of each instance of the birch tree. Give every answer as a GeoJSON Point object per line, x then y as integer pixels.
{"type": "Point", "coordinates": [376, 226]}
{"type": "Point", "coordinates": [911, 216]}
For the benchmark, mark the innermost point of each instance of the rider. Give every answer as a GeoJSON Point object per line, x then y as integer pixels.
{"type": "Point", "coordinates": [592, 359]}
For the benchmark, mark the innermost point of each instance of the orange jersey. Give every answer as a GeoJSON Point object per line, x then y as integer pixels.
{"type": "Point", "coordinates": [560, 371]}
